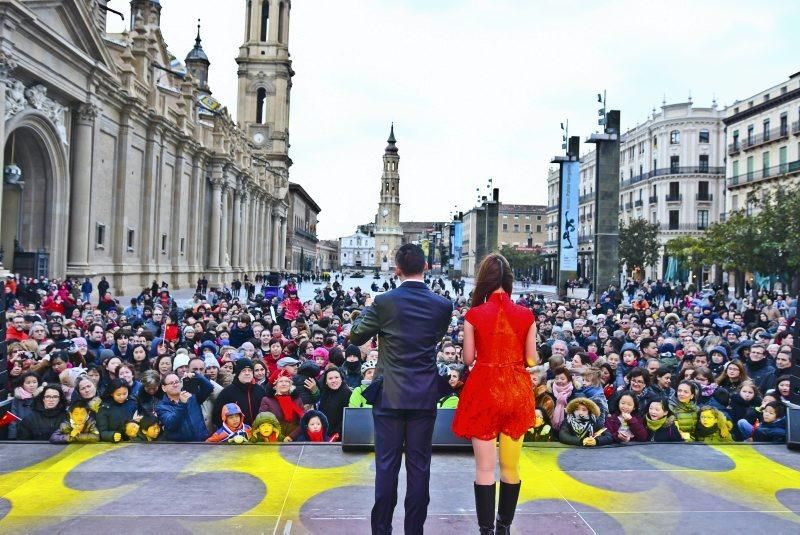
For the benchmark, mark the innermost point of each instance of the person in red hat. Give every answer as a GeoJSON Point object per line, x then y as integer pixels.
{"type": "Point", "coordinates": [284, 402]}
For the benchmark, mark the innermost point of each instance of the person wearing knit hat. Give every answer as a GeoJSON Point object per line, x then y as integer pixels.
{"type": "Point", "coordinates": [243, 391]}
{"type": "Point", "coordinates": [352, 366]}
{"type": "Point", "coordinates": [321, 357]}
{"type": "Point", "coordinates": [180, 363]}
{"type": "Point", "coordinates": [248, 349]}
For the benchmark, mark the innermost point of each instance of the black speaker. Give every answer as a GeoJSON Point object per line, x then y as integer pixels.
{"type": "Point", "coordinates": [793, 429]}
{"type": "Point", "coordinates": [794, 372]}
{"type": "Point", "coordinates": [358, 431]}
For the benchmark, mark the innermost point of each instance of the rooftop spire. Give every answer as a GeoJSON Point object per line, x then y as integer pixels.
{"type": "Point", "coordinates": [197, 53]}
{"type": "Point", "coordinates": [391, 147]}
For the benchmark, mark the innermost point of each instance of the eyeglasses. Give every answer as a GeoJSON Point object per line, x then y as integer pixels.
{"type": "Point", "coordinates": [172, 383]}
{"type": "Point", "coordinates": [637, 382]}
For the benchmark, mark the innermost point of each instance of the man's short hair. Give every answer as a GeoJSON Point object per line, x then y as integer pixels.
{"type": "Point", "coordinates": [410, 259]}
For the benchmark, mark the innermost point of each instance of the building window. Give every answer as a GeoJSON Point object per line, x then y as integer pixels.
{"type": "Point", "coordinates": [735, 140]}
{"type": "Point", "coordinates": [750, 167]}
{"type": "Point", "coordinates": [674, 218]}
{"type": "Point", "coordinates": [702, 219]}
{"type": "Point", "coordinates": [784, 125]}
{"type": "Point", "coordinates": [702, 190]}
{"type": "Point", "coordinates": [516, 227]}
{"type": "Point", "coordinates": [264, 20]}
{"type": "Point", "coordinates": [655, 142]}
{"type": "Point", "coordinates": [674, 137]}
{"type": "Point", "coordinates": [538, 228]}
{"type": "Point", "coordinates": [163, 244]}
{"type": "Point", "coordinates": [750, 130]}
{"type": "Point", "coordinates": [704, 163]}
{"type": "Point", "coordinates": [183, 245]}
{"type": "Point", "coordinates": [505, 227]}
{"type": "Point", "coordinates": [735, 202]}
{"type": "Point", "coordinates": [261, 106]}
{"type": "Point", "coordinates": [100, 236]}
{"type": "Point", "coordinates": [783, 159]}
{"type": "Point", "coordinates": [538, 218]}
{"type": "Point", "coordinates": [131, 239]}
{"type": "Point", "coordinates": [674, 191]}
{"type": "Point", "coordinates": [766, 130]}
{"type": "Point", "coordinates": [736, 168]}
{"type": "Point", "coordinates": [765, 164]}
{"type": "Point", "coordinates": [704, 136]}
{"type": "Point", "coordinates": [674, 164]}
{"type": "Point", "coordinates": [527, 228]}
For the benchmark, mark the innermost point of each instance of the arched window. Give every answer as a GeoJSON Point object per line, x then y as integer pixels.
{"type": "Point", "coordinates": [281, 14]}
{"type": "Point", "coordinates": [264, 20]}
{"type": "Point", "coordinates": [261, 106]}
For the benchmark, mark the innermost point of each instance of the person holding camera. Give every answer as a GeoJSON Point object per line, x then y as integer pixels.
{"type": "Point", "coordinates": [180, 411]}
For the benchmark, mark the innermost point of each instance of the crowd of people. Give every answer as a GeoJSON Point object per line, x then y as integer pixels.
{"type": "Point", "coordinates": [640, 365]}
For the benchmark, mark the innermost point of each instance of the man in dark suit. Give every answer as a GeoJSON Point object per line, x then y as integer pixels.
{"type": "Point", "coordinates": [410, 321]}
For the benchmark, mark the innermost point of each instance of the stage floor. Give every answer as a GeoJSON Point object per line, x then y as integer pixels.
{"type": "Point", "coordinates": [195, 488]}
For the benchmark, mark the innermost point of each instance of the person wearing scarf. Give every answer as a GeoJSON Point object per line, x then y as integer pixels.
{"type": "Point", "coordinates": [713, 427]}
{"type": "Point", "coordinates": [233, 430]}
{"type": "Point", "coordinates": [562, 387]}
{"type": "Point", "coordinates": [315, 430]}
{"type": "Point", "coordinates": [660, 422]}
{"type": "Point", "coordinates": [685, 409]}
{"type": "Point", "coordinates": [285, 404]}
{"type": "Point", "coordinates": [580, 427]}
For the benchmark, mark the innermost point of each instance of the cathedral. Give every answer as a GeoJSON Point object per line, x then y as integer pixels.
{"type": "Point", "coordinates": [119, 162]}
{"type": "Point", "coordinates": [388, 230]}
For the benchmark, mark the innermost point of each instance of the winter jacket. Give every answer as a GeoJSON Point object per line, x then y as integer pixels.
{"type": "Point", "coordinates": [668, 432]}
{"type": "Point", "coordinates": [685, 417]}
{"type": "Point", "coordinates": [183, 422]}
{"type": "Point", "coordinates": [88, 435]}
{"type": "Point", "coordinates": [288, 429]}
{"type": "Point", "coordinates": [762, 373]}
{"type": "Point", "coordinates": [635, 426]}
{"type": "Point", "coordinates": [21, 408]}
{"type": "Point", "coordinates": [247, 396]}
{"type": "Point", "coordinates": [448, 402]}
{"type": "Point", "coordinates": [240, 336]}
{"type": "Point", "coordinates": [771, 432]}
{"type": "Point", "coordinates": [739, 407]}
{"type": "Point", "coordinates": [303, 435]}
{"type": "Point", "coordinates": [229, 435]}
{"type": "Point", "coordinates": [567, 436]}
{"type": "Point", "coordinates": [41, 423]}
{"type": "Point", "coordinates": [357, 398]}
{"type": "Point", "coordinates": [112, 416]}
{"type": "Point", "coordinates": [595, 393]}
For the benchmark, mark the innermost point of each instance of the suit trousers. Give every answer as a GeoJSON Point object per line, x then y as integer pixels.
{"type": "Point", "coordinates": [398, 431]}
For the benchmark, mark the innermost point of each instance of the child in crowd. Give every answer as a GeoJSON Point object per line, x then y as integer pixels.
{"type": "Point", "coordinates": [580, 427]}
{"type": "Point", "coordinates": [713, 426]}
{"type": "Point", "coordinates": [233, 430]}
{"type": "Point", "coordinates": [660, 422]}
{"type": "Point", "coordinates": [624, 424]}
{"type": "Point", "coordinates": [771, 427]}
{"type": "Point", "coordinates": [744, 401]}
{"type": "Point", "coordinates": [540, 432]}
{"type": "Point", "coordinates": [149, 429]}
{"type": "Point", "coordinates": [80, 427]}
{"type": "Point", "coordinates": [266, 428]}
{"type": "Point", "coordinates": [315, 428]}
{"type": "Point", "coordinates": [131, 430]}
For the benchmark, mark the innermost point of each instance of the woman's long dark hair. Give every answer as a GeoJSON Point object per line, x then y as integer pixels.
{"type": "Point", "coordinates": [493, 273]}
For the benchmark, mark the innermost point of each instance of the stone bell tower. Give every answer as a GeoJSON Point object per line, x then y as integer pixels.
{"type": "Point", "coordinates": [265, 81]}
{"type": "Point", "coordinates": [388, 233]}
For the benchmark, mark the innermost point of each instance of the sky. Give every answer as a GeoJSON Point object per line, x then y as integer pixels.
{"type": "Point", "coordinates": [478, 89]}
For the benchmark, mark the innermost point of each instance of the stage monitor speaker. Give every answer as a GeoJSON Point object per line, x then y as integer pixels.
{"type": "Point", "coordinates": [358, 431]}
{"type": "Point", "coordinates": [793, 429]}
{"type": "Point", "coordinates": [794, 371]}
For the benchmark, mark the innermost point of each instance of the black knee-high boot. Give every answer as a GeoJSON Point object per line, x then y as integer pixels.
{"type": "Point", "coordinates": [509, 494]}
{"type": "Point", "coordinates": [484, 506]}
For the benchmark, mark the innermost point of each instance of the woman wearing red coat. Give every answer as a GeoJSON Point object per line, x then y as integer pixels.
{"type": "Point", "coordinates": [497, 399]}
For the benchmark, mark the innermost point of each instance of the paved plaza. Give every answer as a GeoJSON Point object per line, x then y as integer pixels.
{"type": "Point", "coordinates": [194, 488]}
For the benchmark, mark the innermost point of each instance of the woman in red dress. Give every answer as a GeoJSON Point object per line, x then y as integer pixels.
{"type": "Point", "coordinates": [497, 399]}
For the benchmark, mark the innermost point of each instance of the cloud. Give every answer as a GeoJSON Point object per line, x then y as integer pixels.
{"type": "Point", "coordinates": [477, 89]}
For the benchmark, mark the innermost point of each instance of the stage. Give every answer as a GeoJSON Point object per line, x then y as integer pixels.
{"type": "Point", "coordinates": [196, 488]}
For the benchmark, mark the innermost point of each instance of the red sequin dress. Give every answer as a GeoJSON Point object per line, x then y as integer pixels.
{"type": "Point", "coordinates": [498, 395]}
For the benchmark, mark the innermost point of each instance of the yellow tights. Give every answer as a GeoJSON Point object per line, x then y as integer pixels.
{"type": "Point", "coordinates": [486, 459]}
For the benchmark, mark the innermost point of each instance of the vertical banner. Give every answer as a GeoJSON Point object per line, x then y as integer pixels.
{"type": "Point", "coordinates": [568, 241]}
{"type": "Point", "coordinates": [457, 241]}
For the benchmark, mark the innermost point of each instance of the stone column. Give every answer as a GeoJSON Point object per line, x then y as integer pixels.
{"type": "Point", "coordinates": [282, 257]}
{"type": "Point", "coordinates": [7, 64]}
{"type": "Point", "coordinates": [236, 234]}
{"type": "Point", "coordinates": [216, 205]}
{"type": "Point", "coordinates": [243, 247]}
{"type": "Point", "coordinates": [266, 234]}
{"type": "Point", "coordinates": [80, 192]}
{"type": "Point", "coordinates": [193, 215]}
{"type": "Point", "coordinates": [224, 258]}
{"type": "Point", "coordinates": [275, 247]}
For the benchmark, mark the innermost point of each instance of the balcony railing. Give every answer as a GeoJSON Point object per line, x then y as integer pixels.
{"type": "Point", "coordinates": [585, 239]}
{"type": "Point", "coordinates": [683, 227]}
{"type": "Point", "coordinates": [796, 127]}
{"type": "Point", "coordinates": [764, 174]}
{"type": "Point", "coordinates": [306, 234]}
{"type": "Point", "coordinates": [550, 243]}
{"type": "Point", "coordinates": [638, 203]}
{"type": "Point", "coordinates": [673, 198]}
{"type": "Point", "coordinates": [734, 147]}
{"type": "Point", "coordinates": [691, 170]}
{"type": "Point", "coordinates": [704, 197]}
{"type": "Point", "coordinates": [628, 205]}
{"type": "Point", "coordinates": [653, 199]}
{"type": "Point", "coordinates": [586, 198]}
{"type": "Point", "coordinates": [766, 137]}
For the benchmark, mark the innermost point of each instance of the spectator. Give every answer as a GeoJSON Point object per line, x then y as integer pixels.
{"type": "Point", "coordinates": [116, 409]}
{"type": "Point", "coordinates": [242, 391]}
{"type": "Point", "coordinates": [48, 411]}
{"type": "Point", "coordinates": [180, 412]}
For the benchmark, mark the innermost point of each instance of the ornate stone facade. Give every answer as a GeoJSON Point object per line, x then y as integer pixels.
{"type": "Point", "coordinates": [388, 231]}
{"type": "Point", "coordinates": [124, 172]}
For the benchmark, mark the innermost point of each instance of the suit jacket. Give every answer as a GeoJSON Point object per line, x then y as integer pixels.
{"type": "Point", "coordinates": [410, 320]}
